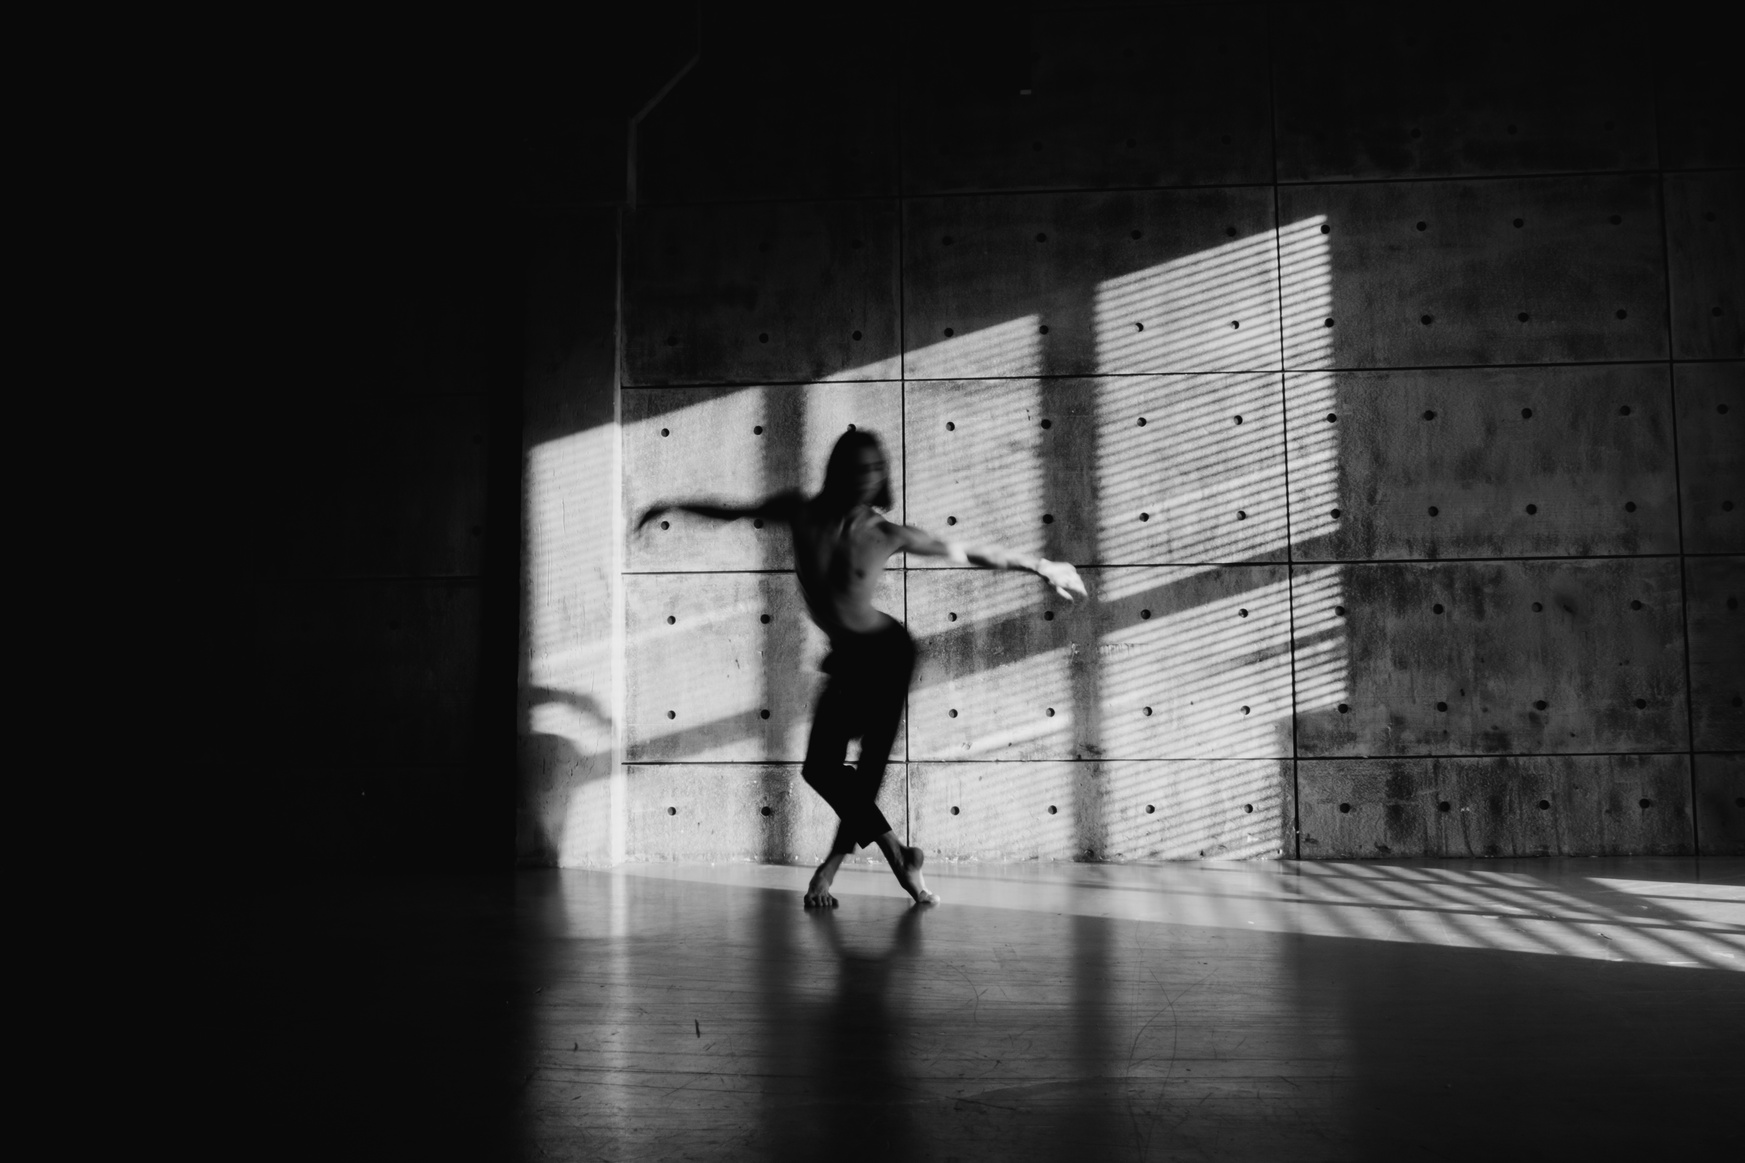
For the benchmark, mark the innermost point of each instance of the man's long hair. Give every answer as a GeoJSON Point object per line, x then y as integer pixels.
{"type": "Point", "coordinates": [841, 472]}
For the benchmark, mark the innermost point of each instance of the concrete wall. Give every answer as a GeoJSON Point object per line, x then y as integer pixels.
{"type": "Point", "coordinates": [1382, 376]}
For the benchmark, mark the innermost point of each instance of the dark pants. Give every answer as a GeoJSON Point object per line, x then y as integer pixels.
{"type": "Point", "coordinates": [869, 679]}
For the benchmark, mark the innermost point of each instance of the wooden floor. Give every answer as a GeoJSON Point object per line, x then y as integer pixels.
{"type": "Point", "coordinates": [1582, 1009]}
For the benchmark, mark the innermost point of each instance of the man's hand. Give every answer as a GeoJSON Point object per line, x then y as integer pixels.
{"type": "Point", "coordinates": [1063, 577]}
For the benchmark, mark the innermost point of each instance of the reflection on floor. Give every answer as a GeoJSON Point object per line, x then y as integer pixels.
{"type": "Point", "coordinates": [1510, 1009]}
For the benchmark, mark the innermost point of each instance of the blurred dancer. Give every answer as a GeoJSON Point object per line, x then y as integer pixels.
{"type": "Point", "coordinates": [841, 544]}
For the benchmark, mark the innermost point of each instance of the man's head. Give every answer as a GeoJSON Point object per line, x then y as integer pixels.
{"type": "Point", "coordinates": [856, 473]}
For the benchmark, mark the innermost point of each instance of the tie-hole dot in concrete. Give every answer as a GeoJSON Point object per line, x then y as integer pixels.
{"type": "Point", "coordinates": [1326, 228]}
{"type": "Point", "coordinates": [763, 337]}
{"type": "Point", "coordinates": [666, 525]}
{"type": "Point", "coordinates": [1623, 314]}
{"type": "Point", "coordinates": [1048, 616]}
{"type": "Point", "coordinates": [856, 335]}
{"type": "Point", "coordinates": [1147, 712]}
{"type": "Point", "coordinates": [672, 811]}
{"type": "Point", "coordinates": [1645, 803]}
{"type": "Point", "coordinates": [757, 429]}
{"type": "Point", "coordinates": [1150, 808]}
{"type": "Point", "coordinates": [1145, 516]}
{"type": "Point", "coordinates": [954, 809]}
{"type": "Point", "coordinates": [764, 810]}
{"type": "Point", "coordinates": [952, 714]}
{"type": "Point", "coordinates": [1624, 411]}
{"type": "Point", "coordinates": [1235, 323]}
{"type": "Point", "coordinates": [1617, 220]}
{"type": "Point", "coordinates": [1635, 603]}
{"type": "Point", "coordinates": [1429, 415]}
{"type": "Point", "coordinates": [1332, 418]}
{"type": "Point", "coordinates": [1137, 235]}
{"type": "Point", "coordinates": [1141, 421]}
{"type": "Point", "coordinates": [949, 333]}
{"type": "Point", "coordinates": [1417, 133]}
{"type": "Point", "coordinates": [1144, 614]}
{"type": "Point", "coordinates": [1519, 223]}
{"type": "Point", "coordinates": [1229, 231]}
{"type": "Point", "coordinates": [1423, 226]}
{"type": "Point", "coordinates": [1335, 514]}
{"type": "Point", "coordinates": [950, 426]}
{"type": "Point", "coordinates": [1443, 805]}
{"type": "Point", "coordinates": [757, 522]}
{"type": "Point", "coordinates": [1344, 708]}
{"type": "Point", "coordinates": [1048, 424]}
{"type": "Point", "coordinates": [1441, 706]}
{"type": "Point", "coordinates": [1245, 710]}
{"type": "Point", "coordinates": [763, 714]}
{"type": "Point", "coordinates": [1532, 509]}
{"type": "Point", "coordinates": [1042, 238]}
{"type": "Point", "coordinates": [1238, 419]}
{"type": "Point", "coordinates": [1339, 611]}
{"type": "Point", "coordinates": [1048, 518]}
{"type": "Point", "coordinates": [666, 432]}
{"type": "Point", "coordinates": [1242, 613]}
{"type": "Point", "coordinates": [1641, 704]}
{"type": "Point", "coordinates": [1539, 704]}
{"type": "Point", "coordinates": [1434, 510]}
{"type": "Point", "coordinates": [764, 618]}
{"type": "Point", "coordinates": [1715, 311]}
{"type": "Point", "coordinates": [672, 341]}
{"type": "Point", "coordinates": [670, 619]}
{"type": "Point", "coordinates": [1437, 608]}
{"type": "Point", "coordinates": [1526, 413]}
{"type": "Point", "coordinates": [1328, 323]}
{"type": "Point", "coordinates": [672, 714]}
{"type": "Point", "coordinates": [1537, 607]}
{"type": "Point", "coordinates": [1049, 712]}
{"type": "Point", "coordinates": [1544, 805]}
{"type": "Point", "coordinates": [951, 520]}
{"type": "Point", "coordinates": [1523, 317]}
{"type": "Point", "coordinates": [1242, 514]}
{"type": "Point", "coordinates": [1726, 506]}
{"type": "Point", "coordinates": [1052, 809]}
{"type": "Point", "coordinates": [1344, 808]}
{"type": "Point", "coordinates": [1042, 330]}
{"type": "Point", "coordinates": [1248, 809]}
{"type": "Point", "coordinates": [1629, 506]}
{"type": "Point", "coordinates": [952, 617]}
{"type": "Point", "coordinates": [1426, 320]}
{"type": "Point", "coordinates": [947, 240]}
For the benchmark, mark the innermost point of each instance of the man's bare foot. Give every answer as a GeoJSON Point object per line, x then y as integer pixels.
{"type": "Point", "coordinates": [818, 892]}
{"type": "Point", "coordinates": [910, 877]}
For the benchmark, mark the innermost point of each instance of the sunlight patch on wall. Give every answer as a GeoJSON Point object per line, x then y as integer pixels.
{"type": "Point", "coordinates": [1012, 348]}
{"type": "Point", "coordinates": [1213, 310]}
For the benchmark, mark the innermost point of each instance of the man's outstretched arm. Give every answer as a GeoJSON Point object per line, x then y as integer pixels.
{"type": "Point", "coordinates": [779, 507]}
{"type": "Point", "coordinates": [1059, 574]}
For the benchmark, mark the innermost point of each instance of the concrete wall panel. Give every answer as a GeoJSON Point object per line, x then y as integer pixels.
{"type": "Point", "coordinates": [1720, 809]}
{"type": "Point", "coordinates": [739, 445]}
{"type": "Point", "coordinates": [1180, 101]}
{"type": "Point", "coordinates": [1517, 657]}
{"type": "Point", "coordinates": [1159, 663]}
{"type": "Point", "coordinates": [1380, 91]}
{"type": "Point", "coordinates": [760, 293]}
{"type": "Point", "coordinates": [1483, 463]}
{"type": "Point", "coordinates": [380, 671]}
{"type": "Point", "coordinates": [764, 812]}
{"type": "Point", "coordinates": [1705, 239]}
{"type": "Point", "coordinates": [1713, 589]}
{"type": "Point", "coordinates": [1124, 470]}
{"type": "Point", "coordinates": [1437, 273]}
{"type": "Point", "coordinates": [698, 686]}
{"type": "Point", "coordinates": [1578, 805]}
{"type": "Point", "coordinates": [1182, 809]}
{"type": "Point", "coordinates": [1072, 284]}
{"type": "Point", "coordinates": [1711, 465]}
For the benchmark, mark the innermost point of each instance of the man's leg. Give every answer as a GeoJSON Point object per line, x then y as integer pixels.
{"type": "Point", "coordinates": [826, 748]}
{"type": "Point", "coordinates": [888, 690]}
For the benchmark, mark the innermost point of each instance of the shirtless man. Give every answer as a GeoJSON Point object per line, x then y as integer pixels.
{"type": "Point", "coordinates": [841, 544]}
